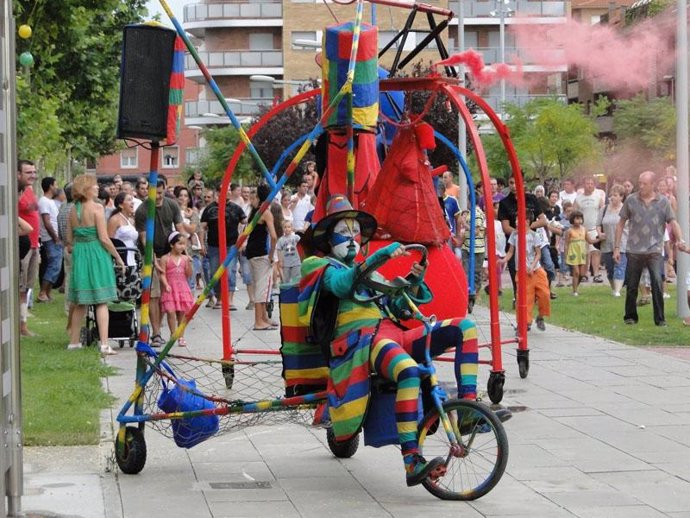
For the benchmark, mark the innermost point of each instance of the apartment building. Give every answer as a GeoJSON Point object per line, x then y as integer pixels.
{"type": "Point", "coordinates": [587, 89]}
{"type": "Point", "coordinates": [261, 52]}
{"type": "Point", "coordinates": [482, 21]}
{"type": "Point", "coordinates": [243, 40]}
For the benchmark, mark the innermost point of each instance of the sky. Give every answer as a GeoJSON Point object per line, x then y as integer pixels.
{"type": "Point", "coordinates": [177, 7]}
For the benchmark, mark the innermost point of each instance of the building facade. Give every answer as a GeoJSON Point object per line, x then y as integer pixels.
{"type": "Point", "coordinates": [482, 20]}
{"type": "Point", "coordinates": [259, 51]}
{"type": "Point", "coordinates": [174, 161]}
{"type": "Point", "coordinates": [263, 51]}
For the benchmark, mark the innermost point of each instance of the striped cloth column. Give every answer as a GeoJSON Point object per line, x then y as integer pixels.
{"type": "Point", "coordinates": [176, 95]}
{"type": "Point", "coordinates": [336, 55]}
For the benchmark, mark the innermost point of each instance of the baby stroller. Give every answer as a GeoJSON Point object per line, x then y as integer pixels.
{"type": "Point", "coordinates": [123, 324]}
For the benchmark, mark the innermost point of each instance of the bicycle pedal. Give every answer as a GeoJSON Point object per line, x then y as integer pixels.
{"type": "Point", "coordinates": [438, 472]}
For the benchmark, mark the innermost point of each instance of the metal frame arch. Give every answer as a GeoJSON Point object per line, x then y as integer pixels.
{"type": "Point", "coordinates": [454, 97]}
{"type": "Point", "coordinates": [504, 134]}
{"type": "Point", "coordinates": [473, 203]}
{"type": "Point", "coordinates": [222, 201]}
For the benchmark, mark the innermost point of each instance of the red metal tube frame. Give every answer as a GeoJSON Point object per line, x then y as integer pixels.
{"type": "Point", "coordinates": [454, 92]}
{"type": "Point", "coordinates": [222, 200]}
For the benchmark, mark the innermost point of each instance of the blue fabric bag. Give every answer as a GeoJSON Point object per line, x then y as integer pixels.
{"type": "Point", "coordinates": [184, 397]}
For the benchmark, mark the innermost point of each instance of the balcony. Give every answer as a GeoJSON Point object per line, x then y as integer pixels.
{"type": "Point", "coordinates": [482, 9]}
{"type": "Point", "coordinates": [235, 63]}
{"type": "Point", "coordinates": [552, 60]}
{"type": "Point", "coordinates": [199, 17]}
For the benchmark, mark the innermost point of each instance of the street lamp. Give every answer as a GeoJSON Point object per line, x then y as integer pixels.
{"type": "Point", "coordinates": [502, 11]}
{"type": "Point", "coordinates": [278, 83]}
{"type": "Point", "coordinates": [307, 43]}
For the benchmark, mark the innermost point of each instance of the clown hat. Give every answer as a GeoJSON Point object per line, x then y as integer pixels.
{"type": "Point", "coordinates": [339, 207]}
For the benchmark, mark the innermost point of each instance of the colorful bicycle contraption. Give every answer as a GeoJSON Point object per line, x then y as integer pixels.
{"type": "Point", "coordinates": [192, 399]}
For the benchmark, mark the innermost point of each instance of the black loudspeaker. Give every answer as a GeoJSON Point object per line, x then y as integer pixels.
{"type": "Point", "coordinates": [147, 57]}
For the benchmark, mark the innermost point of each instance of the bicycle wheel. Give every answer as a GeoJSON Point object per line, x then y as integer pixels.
{"type": "Point", "coordinates": [476, 466]}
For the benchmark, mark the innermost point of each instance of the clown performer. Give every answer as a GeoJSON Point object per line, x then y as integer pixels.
{"type": "Point", "coordinates": [358, 337]}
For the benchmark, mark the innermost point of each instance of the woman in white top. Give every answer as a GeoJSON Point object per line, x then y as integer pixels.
{"type": "Point", "coordinates": [284, 205]}
{"type": "Point", "coordinates": [121, 225]}
{"type": "Point", "coordinates": [191, 225]}
{"type": "Point", "coordinates": [608, 221]}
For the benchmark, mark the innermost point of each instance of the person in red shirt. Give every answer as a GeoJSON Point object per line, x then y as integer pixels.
{"type": "Point", "coordinates": [28, 211]}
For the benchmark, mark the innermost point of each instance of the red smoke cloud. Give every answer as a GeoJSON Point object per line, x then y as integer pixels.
{"type": "Point", "coordinates": [624, 60]}
{"type": "Point", "coordinates": [484, 75]}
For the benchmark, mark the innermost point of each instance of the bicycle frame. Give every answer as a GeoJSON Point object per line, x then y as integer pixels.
{"type": "Point", "coordinates": [428, 369]}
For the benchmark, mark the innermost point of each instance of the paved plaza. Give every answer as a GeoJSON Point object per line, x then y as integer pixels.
{"type": "Point", "coordinates": [600, 429]}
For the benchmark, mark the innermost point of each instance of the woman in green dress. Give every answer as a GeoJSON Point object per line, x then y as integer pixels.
{"type": "Point", "coordinates": [93, 277]}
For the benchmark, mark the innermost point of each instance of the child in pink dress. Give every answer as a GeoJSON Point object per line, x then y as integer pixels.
{"type": "Point", "coordinates": [175, 270]}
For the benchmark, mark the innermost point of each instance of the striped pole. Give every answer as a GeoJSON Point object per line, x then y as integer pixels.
{"type": "Point", "coordinates": [219, 95]}
{"type": "Point", "coordinates": [147, 270]}
{"type": "Point", "coordinates": [357, 30]}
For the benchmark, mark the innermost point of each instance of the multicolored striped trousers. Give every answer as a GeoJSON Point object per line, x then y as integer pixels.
{"type": "Point", "coordinates": [394, 356]}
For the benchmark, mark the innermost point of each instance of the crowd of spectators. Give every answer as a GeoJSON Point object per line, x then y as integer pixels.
{"type": "Point", "coordinates": [111, 218]}
{"type": "Point", "coordinates": [571, 232]}
{"type": "Point", "coordinates": [584, 235]}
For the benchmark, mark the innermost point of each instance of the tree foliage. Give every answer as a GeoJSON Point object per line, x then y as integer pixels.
{"type": "Point", "coordinates": [649, 123]}
{"type": "Point", "coordinates": [221, 143]}
{"type": "Point", "coordinates": [282, 130]}
{"type": "Point", "coordinates": [550, 138]}
{"type": "Point", "coordinates": [69, 98]}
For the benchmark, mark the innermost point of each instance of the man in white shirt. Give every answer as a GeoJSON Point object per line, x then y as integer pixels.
{"type": "Point", "coordinates": [568, 193]}
{"type": "Point", "coordinates": [50, 240]}
{"type": "Point", "coordinates": [300, 205]}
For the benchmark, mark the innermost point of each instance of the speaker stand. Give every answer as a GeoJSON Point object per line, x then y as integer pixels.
{"type": "Point", "coordinates": [144, 333]}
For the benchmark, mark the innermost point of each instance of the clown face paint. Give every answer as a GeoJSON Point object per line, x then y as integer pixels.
{"type": "Point", "coordinates": [346, 240]}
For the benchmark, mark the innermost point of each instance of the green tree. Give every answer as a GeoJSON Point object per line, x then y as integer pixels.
{"type": "Point", "coordinates": [550, 138]}
{"type": "Point", "coordinates": [221, 143]}
{"type": "Point", "coordinates": [647, 123]}
{"type": "Point", "coordinates": [275, 136]}
{"type": "Point", "coordinates": [71, 100]}
{"type": "Point", "coordinates": [282, 130]}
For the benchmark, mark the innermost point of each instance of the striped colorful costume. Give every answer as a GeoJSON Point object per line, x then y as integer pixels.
{"type": "Point", "coordinates": [365, 338]}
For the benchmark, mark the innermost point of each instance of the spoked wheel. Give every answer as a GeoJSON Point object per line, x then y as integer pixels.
{"type": "Point", "coordinates": [474, 467]}
{"type": "Point", "coordinates": [93, 336]}
{"type": "Point", "coordinates": [342, 450]}
{"type": "Point", "coordinates": [130, 452]}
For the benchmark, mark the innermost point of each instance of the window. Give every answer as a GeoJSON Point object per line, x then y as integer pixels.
{"type": "Point", "coordinates": [385, 38]}
{"type": "Point", "coordinates": [170, 158]}
{"type": "Point", "coordinates": [261, 41]}
{"type": "Point", "coordinates": [303, 35]}
{"type": "Point", "coordinates": [419, 37]}
{"type": "Point", "coordinates": [128, 158]}
{"type": "Point", "coordinates": [192, 156]}
{"type": "Point", "coordinates": [260, 90]}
